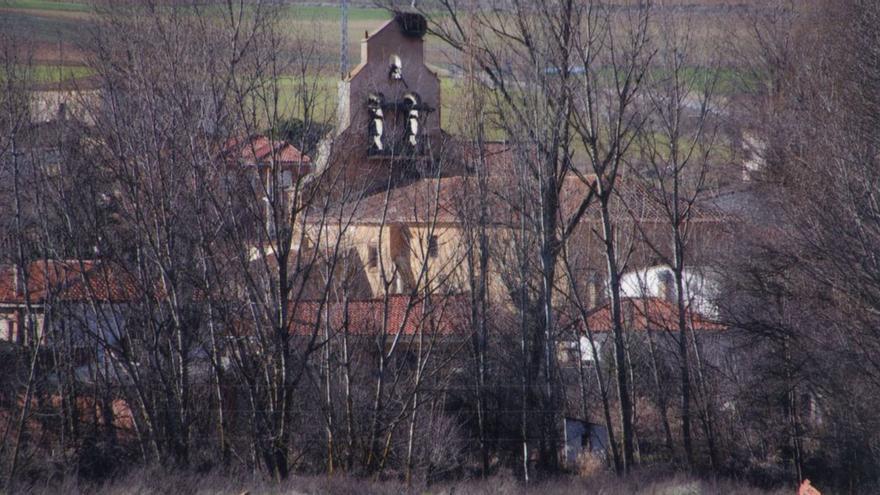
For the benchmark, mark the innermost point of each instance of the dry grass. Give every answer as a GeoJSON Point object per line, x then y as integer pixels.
{"type": "Point", "coordinates": [642, 483]}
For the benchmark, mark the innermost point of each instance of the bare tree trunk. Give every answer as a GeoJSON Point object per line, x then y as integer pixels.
{"type": "Point", "coordinates": [708, 411]}
{"type": "Point", "coordinates": [328, 393]}
{"type": "Point", "coordinates": [415, 405]}
{"type": "Point", "coordinates": [32, 339]}
{"type": "Point", "coordinates": [525, 385]}
{"type": "Point", "coordinates": [684, 365]}
{"type": "Point", "coordinates": [637, 453]}
{"type": "Point", "coordinates": [349, 404]}
{"type": "Point", "coordinates": [660, 394]}
{"type": "Point", "coordinates": [23, 415]}
{"type": "Point", "coordinates": [623, 392]}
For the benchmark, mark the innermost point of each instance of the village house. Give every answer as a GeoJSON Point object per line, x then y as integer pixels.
{"type": "Point", "coordinates": [83, 299]}
{"type": "Point", "coordinates": [275, 166]}
{"type": "Point", "coordinates": [700, 287]}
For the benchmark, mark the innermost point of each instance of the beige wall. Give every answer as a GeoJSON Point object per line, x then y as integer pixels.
{"type": "Point", "coordinates": [46, 105]}
{"type": "Point", "coordinates": [402, 252]}
{"type": "Point", "coordinates": [403, 249]}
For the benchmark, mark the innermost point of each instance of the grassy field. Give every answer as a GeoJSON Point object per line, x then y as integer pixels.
{"type": "Point", "coordinates": [355, 13]}
{"type": "Point", "coordinates": [59, 73]}
{"type": "Point", "coordinates": [47, 5]}
{"type": "Point", "coordinates": [57, 30]}
{"type": "Point", "coordinates": [32, 27]}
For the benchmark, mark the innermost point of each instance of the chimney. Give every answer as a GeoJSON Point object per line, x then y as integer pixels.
{"type": "Point", "coordinates": [17, 281]}
{"type": "Point", "coordinates": [665, 286]}
{"type": "Point", "coordinates": [594, 291]}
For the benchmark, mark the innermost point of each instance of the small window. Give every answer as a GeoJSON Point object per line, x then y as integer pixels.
{"type": "Point", "coordinates": [286, 179]}
{"type": "Point", "coordinates": [432, 246]}
{"type": "Point", "coordinates": [373, 256]}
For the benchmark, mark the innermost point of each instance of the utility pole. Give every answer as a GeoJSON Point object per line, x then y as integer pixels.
{"type": "Point", "coordinates": [343, 39]}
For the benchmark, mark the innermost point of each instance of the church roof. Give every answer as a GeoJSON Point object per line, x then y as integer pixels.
{"type": "Point", "coordinates": [449, 199]}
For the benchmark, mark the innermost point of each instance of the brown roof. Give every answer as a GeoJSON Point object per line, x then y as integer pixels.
{"type": "Point", "coordinates": [369, 316]}
{"type": "Point", "coordinates": [262, 150]}
{"type": "Point", "coordinates": [66, 280]}
{"type": "Point", "coordinates": [649, 313]}
{"type": "Point", "coordinates": [418, 201]}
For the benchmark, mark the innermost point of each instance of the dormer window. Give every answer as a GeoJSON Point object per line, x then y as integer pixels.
{"type": "Point", "coordinates": [395, 72]}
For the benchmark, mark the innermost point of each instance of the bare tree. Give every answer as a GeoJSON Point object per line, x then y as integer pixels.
{"type": "Point", "coordinates": [607, 124]}
{"type": "Point", "coordinates": [678, 149]}
{"type": "Point", "coordinates": [15, 120]}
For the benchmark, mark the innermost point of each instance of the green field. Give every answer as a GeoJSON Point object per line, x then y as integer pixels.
{"type": "Point", "coordinates": [48, 5]}
{"type": "Point", "coordinates": [310, 11]}
{"type": "Point", "coordinates": [323, 12]}
{"type": "Point", "coordinates": [333, 13]}
{"type": "Point", "coordinates": [326, 88]}
{"type": "Point", "coordinates": [59, 73]}
{"type": "Point", "coordinates": [57, 28]}
{"type": "Point", "coordinates": [47, 74]}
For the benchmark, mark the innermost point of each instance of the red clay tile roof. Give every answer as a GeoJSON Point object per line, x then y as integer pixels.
{"type": "Point", "coordinates": [418, 201]}
{"type": "Point", "coordinates": [649, 313]}
{"type": "Point", "coordinates": [444, 316]}
{"type": "Point", "coordinates": [261, 150]}
{"type": "Point", "coordinates": [66, 280]}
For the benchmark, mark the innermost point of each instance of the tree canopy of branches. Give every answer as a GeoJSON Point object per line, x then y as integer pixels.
{"type": "Point", "coordinates": [175, 295]}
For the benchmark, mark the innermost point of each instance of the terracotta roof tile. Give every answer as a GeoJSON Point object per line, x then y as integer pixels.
{"type": "Point", "coordinates": [368, 317]}
{"type": "Point", "coordinates": [66, 280]}
{"type": "Point", "coordinates": [261, 150]}
{"type": "Point", "coordinates": [649, 313]}
{"type": "Point", "coordinates": [418, 201]}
